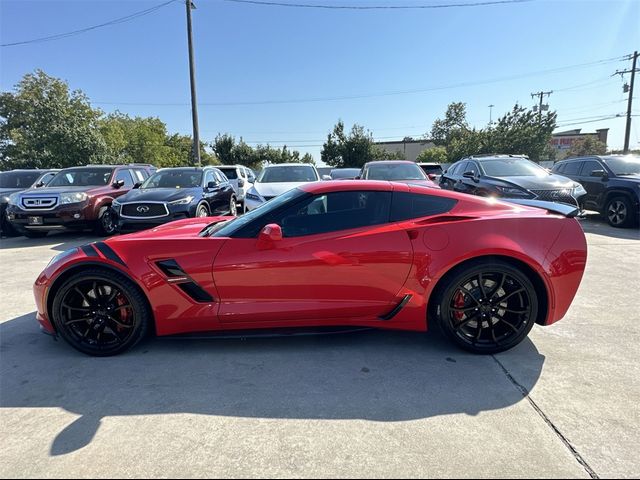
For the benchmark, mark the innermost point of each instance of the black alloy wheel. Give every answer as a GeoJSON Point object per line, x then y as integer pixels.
{"type": "Point", "coordinates": [100, 312]}
{"type": "Point", "coordinates": [106, 224]}
{"type": "Point", "coordinates": [488, 308]}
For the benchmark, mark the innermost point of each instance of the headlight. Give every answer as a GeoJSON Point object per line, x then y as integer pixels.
{"type": "Point", "coordinates": [514, 192]}
{"type": "Point", "coordinates": [182, 201]}
{"type": "Point", "coordinates": [67, 198]}
{"type": "Point", "coordinates": [4, 199]}
{"type": "Point", "coordinates": [14, 198]}
{"type": "Point", "coordinates": [253, 194]}
{"type": "Point", "coordinates": [579, 190]}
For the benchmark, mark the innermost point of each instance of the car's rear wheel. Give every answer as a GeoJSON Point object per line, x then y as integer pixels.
{"type": "Point", "coordinates": [620, 212]}
{"type": "Point", "coordinates": [488, 307]}
{"type": "Point", "coordinates": [100, 313]}
{"type": "Point", "coordinates": [202, 211]}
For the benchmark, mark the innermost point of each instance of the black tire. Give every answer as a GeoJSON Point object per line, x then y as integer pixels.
{"type": "Point", "coordinates": [494, 292]}
{"type": "Point", "coordinates": [202, 210]}
{"type": "Point", "coordinates": [106, 224]}
{"type": "Point", "coordinates": [100, 332]}
{"type": "Point", "coordinates": [620, 212]}
{"type": "Point", "coordinates": [233, 206]}
{"type": "Point", "coordinates": [34, 233]}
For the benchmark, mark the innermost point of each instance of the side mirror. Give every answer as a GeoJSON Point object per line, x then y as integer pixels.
{"type": "Point", "coordinates": [269, 235]}
{"type": "Point", "coordinates": [39, 185]}
{"type": "Point", "coordinates": [357, 178]}
{"type": "Point", "coordinates": [432, 176]}
{"type": "Point", "coordinates": [599, 173]}
{"type": "Point", "coordinates": [118, 184]}
{"type": "Point", "coordinates": [211, 185]}
{"type": "Point", "coordinates": [137, 185]}
{"type": "Point", "coordinates": [326, 177]}
{"type": "Point", "coordinates": [470, 175]}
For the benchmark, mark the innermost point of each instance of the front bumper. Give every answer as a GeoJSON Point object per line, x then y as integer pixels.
{"type": "Point", "coordinates": [132, 224]}
{"type": "Point", "coordinates": [73, 216]}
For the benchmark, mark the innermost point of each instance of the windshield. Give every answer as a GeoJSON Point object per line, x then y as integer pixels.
{"type": "Point", "coordinates": [231, 173]}
{"type": "Point", "coordinates": [18, 179]}
{"type": "Point", "coordinates": [512, 167]}
{"type": "Point", "coordinates": [82, 177]}
{"type": "Point", "coordinates": [228, 228]}
{"type": "Point", "coordinates": [174, 179]}
{"type": "Point", "coordinates": [288, 173]}
{"type": "Point", "coordinates": [345, 173]}
{"type": "Point", "coordinates": [627, 165]}
{"type": "Point", "coordinates": [395, 171]}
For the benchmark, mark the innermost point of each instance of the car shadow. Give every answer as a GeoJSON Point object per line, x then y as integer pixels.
{"type": "Point", "coordinates": [59, 241]}
{"type": "Point", "coordinates": [596, 225]}
{"type": "Point", "coordinates": [377, 376]}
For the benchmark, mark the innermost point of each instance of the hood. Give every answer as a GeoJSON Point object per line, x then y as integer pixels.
{"type": "Point", "coordinates": [58, 190]}
{"type": "Point", "coordinates": [635, 178]}
{"type": "Point", "coordinates": [275, 189]}
{"type": "Point", "coordinates": [532, 182]}
{"type": "Point", "coordinates": [187, 228]}
{"type": "Point", "coordinates": [158, 194]}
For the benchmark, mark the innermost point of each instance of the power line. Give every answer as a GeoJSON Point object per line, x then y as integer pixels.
{"type": "Point", "coordinates": [610, 117]}
{"type": "Point", "coordinates": [376, 7]}
{"type": "Point", "coordinates": [372, 95]}
{"type": "Point", "coordinates": [116, 21]}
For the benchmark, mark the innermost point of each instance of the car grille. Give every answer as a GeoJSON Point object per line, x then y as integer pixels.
{"type": "Point", "coordinates": [144, 210]}
{"type": "Point", "coordinates": [39, 203]}
{"type": "Point", "coordinates": [560, 196]}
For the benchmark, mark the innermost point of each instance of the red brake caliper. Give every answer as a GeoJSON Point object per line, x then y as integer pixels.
{"type": "Point", "coordinates": [458, 302]}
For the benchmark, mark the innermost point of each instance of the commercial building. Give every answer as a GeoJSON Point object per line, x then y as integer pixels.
{"type": "Point", "coordinates": [409, 148]}
{"type": "Point", "coordinates": [562, 141]}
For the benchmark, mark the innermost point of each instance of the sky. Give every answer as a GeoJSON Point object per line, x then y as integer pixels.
{"type": "Point", "coordinates": [280, 75]}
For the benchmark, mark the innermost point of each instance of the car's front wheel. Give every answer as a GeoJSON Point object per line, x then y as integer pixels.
{"type": "Point", "coordinates": [202, 211]}
{"type": "Point", "coordinates": [620, 212]}
{"type": "Point", "coordinates": [233, 206]}
{"type": "Point", "coordinates": [106, 223]}
{"type": "Point", "coordinates": [100, 312]}
{"type": "Point", "coordinates": [487, 307]}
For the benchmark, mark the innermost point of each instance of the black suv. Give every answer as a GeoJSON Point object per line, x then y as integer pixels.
{"type": "Point", "coordinates": [510, 176]}
{"type": "Point", "coordinates": [612, 183]}
{"type": "Point", "coordinates": [175, 193]}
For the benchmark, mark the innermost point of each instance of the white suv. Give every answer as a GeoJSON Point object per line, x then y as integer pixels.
{"type": "Point", "coordinates": [241, 179]}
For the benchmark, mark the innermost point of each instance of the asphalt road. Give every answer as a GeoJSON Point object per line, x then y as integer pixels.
{"type": "Point", "coordinates": [565, 403]}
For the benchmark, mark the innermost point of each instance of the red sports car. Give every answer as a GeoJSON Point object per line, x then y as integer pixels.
{"type": "Point", "coordinates": [327, 254]}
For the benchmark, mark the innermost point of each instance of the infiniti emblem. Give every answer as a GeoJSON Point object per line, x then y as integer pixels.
{"type": "Point", "coordinates": [142, 209]}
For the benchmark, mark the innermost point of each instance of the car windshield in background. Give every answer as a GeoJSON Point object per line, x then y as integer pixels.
{"type": "Point", "coordinates": [345, 173]}
{"type": "Point", "coordinates": [18, 179]}
{"type": "Point", "coordinates": [228, 228]}
{"type": "Point", "coordinates": [435, 169]}
{"type": "Point", "coordinates": [288, 173]}
{"type": "Point", "coordinates": [82, 177]}
{"type": "Point", "coordinates": [231, 173]}
{"type": "Point", "coordinates": [627, 165]}
{"type": "Point", "coordinates": [512, 167]}
{"type": "Point", "coordinates": [399, 171]}
{"type": "Point", "coordinates": [174, 179]}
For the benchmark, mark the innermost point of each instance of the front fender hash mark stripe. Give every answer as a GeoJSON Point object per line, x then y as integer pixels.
{"type": "Point", "coordinates": [171, 268]}
{"type": "Point", "coordinates": [177, 276]}
{"type": "Point", "coordinates": [108, 252]}
{"type": "Point", "coordinates": [195, 291]}
{"type": "Point", "coordinates": [397, 308]}
{"type": "Point", "coordinates": [89, 251]}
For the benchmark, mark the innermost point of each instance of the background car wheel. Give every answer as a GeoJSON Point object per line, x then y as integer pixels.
{"type": "Point", "coordinates": [488, 307]}
{"type": "Point", "coordinates": [106, 225]}
{"type": "Point", "coordinates": [202, 211]}
{"type": "Point", "coordinates": [233, 206]}
{"type": "Point", "coordinates": [33, 233]}
{"type": "Point", "coordinates": [100, 313]}
{"type": "Point", "coordinates": [620, 212]}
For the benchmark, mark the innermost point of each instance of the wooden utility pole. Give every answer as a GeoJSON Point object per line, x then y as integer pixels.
{"type": "Point", "coordinates": [192, 74]}
{"type": "Point", "coordinates": [627, 132]}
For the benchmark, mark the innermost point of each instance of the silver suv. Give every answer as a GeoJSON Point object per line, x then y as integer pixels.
{"type": "Point", "coordinates": [240, 177]}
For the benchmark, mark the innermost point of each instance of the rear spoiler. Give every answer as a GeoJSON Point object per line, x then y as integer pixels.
{"type": "Point", "coordinates": [569, 211]}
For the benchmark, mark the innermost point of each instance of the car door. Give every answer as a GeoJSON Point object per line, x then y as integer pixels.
{"type": "Point", "coordinates": [462, 184]}
{"type": "Point", "coordinates": [448, 179]}
{"type": "Point", "coordinates": [339, 258]}
{"type": "Point", "coordinates": [594, 185]}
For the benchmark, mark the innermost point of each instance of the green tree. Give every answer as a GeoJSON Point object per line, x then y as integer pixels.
{"type": "Point", "coordinates": [43, 124]}
{"type": "Point", "coordinates": [433, 155]}
{"type": "Point", "coordinates": [586, 146]}
{"type": "Point", "coordinates": [453, 124]}
{"type": "Point", "coordinates": [350, 151]}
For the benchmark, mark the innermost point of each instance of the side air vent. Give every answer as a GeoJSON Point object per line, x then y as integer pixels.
{"type": "Point", "coordinates": [175, 274]}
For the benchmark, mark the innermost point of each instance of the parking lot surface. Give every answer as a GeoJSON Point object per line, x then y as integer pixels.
{"type": "Point", "coordinates": [384, 404]}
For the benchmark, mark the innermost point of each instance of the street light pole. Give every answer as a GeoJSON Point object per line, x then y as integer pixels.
{"type": "Point", "coordinates": [192, 74]}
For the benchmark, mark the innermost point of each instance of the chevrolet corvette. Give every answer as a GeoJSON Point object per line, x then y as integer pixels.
{"type": "Point", "coordinates": [362, 254]}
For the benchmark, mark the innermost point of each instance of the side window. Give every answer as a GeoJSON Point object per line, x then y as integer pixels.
{"type": "Point", "coordinates": [572, 168]}
{"type": "Point", "coordinates": [466, 166]}
{"type": "Point", "coordinates": [457, 168]}
{"type": "Point", "coordinates": [209, 177]}
{"type": "Point", "coordinates": [125, 176]}
{"type": "Point", "coordinates": [472, 167]}
{"type": "Point", "coordinates": [139, 175]}
{"type": "Point", "coordinates": [47, 178]}
{"type": "Point", "coordinates": [558, 168]}
{"type": "Point", "coordinates": [220, 177]}
{"type": "Point", "coordinates": [407, 205]}
{"type": "Point", "coordinates": [588, 167]}
{"type": "Point", "coordinates": [335, 211]}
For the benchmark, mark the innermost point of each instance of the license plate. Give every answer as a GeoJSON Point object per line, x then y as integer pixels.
{"type": "Point", "coordinates": [35, 221]}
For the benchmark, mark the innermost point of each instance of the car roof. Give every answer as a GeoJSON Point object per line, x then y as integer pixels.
{"type": "Point", "coordinates": [290, 165]}
{"type": "Point", "coordinates": [389, 162]}
{"type": "Point", "coordinates": [480, 158]}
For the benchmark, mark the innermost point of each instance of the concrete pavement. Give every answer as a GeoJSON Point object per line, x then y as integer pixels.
{"type": "Point", "coordinates": [382, 404]}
